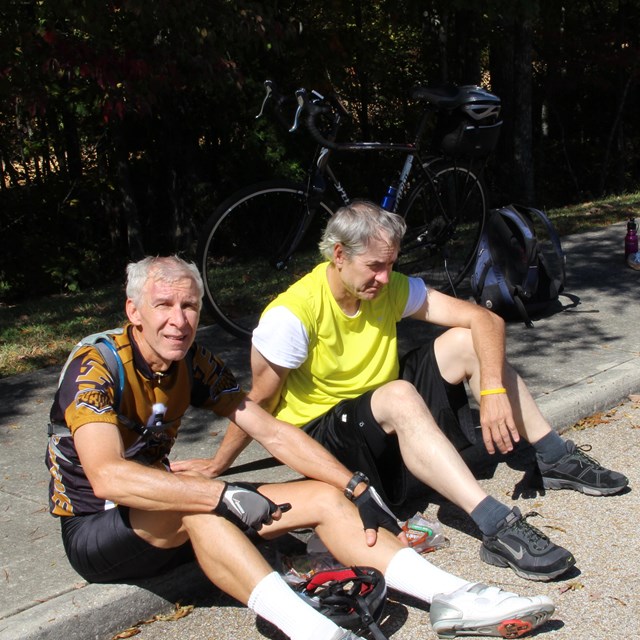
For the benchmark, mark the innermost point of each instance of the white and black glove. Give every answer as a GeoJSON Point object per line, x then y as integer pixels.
{"type": "Point", "coordinates": [245, 506]}
{"type": "Point", "coordinates": [374, 513]}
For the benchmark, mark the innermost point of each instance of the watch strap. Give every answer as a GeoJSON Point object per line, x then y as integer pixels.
{"type": "Point", "coordinates": [356, 479]}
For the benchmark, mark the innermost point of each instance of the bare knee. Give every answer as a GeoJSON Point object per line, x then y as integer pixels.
{"type": "Point", "coordinates": [398, 393]}
{"type": "Point", "coordinates": [399, 408]}
{"type": "Point", "coordinates": [458, 338]}
{"type": "Point", "coordinates": [455, 354]}
{"type": "Point", "coordinates": [326, 498]}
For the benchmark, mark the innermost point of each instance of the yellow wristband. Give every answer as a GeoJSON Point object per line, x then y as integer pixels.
{"type": "Point", "coordinates": [492, 392]}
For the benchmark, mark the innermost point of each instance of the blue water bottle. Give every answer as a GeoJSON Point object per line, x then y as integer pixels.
{"type": "Point", "coordinates": [389, 201]}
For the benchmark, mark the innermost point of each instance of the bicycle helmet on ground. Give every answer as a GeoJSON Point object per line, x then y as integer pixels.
{"type": "Point", "coordinates": [353, 597]}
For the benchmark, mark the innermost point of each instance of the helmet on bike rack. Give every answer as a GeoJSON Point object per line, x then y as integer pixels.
{"type": "Point", "coordinates": [479, 104]}
{"type": "Point", "coordinates": [352, 597]}
{"type": "Point", "coordinates": [471, 125]}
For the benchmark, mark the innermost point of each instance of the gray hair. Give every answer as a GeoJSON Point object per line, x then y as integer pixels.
{"type": "Point", "coordinates": [161, 269]}
{"type": "Point", "coordinates": [355, 225]}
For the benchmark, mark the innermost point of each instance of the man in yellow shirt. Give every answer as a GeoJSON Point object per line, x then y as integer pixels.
{"type": "Point", "coordinates": [325, 358]}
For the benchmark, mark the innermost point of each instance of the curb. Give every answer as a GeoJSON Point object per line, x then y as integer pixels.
{"type": "Point", "coordinates": [98, 611]}
{"type": "Point", "coordinates": [566, 406]}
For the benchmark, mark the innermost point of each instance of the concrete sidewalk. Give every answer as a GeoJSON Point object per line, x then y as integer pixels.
{"type": "Point", "coordinates": [582, 359]}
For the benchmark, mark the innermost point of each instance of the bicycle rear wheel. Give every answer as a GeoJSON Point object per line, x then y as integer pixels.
{"type": "Point", "coordinates": [254, 245]}
{"type": "Point", "coordinates": [445, 215]}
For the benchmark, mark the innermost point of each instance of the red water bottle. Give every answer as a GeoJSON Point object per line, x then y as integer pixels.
{"type": "Point", "coordinates": [631, 239]}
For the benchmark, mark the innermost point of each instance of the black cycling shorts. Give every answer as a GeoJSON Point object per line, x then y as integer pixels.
{"type": "Point", "coordinates": [351, 433]}
{"type": "Point", "coordinates": [102, 547]}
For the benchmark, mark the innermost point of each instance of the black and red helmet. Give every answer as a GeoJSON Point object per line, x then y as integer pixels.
{"type": "Point", "coordinates": [352, 597]}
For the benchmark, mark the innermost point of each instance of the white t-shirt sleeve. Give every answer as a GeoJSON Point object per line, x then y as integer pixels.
{"type": "Point", "coordinates": [417, 295]}
{"type": "Point", "coordinates": [281, 338]}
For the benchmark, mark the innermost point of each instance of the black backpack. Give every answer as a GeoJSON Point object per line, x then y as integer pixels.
{"type": "Point", "coordinates": [514, 275]}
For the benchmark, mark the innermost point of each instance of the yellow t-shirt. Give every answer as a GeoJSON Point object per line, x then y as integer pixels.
{"type": "Point", "coordinates": [346, 355]}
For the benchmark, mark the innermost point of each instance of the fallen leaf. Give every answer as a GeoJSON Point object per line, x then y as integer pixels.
{"type": "Point", "coordinates": [180, 612]}
{"type": "Point", "coordinates": [127, 633]}
{"type": "Point", "coordinates": [571, 586]}
{"type": "Point", "coordinates": [594, 420]}
{"type": "Point", "coordinates": [555, 528]}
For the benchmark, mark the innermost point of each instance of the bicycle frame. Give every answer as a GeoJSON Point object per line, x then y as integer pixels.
{"type": "Point", "coordinates": [442, 202]}
{"type": "Point", "coordinates": [321, 170]}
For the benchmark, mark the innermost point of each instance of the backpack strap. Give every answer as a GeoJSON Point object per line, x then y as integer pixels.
{"type": "Point", "coordinates": [559, 281]}
{"type": "Point", "coordinates": [112, 359]}
{"type": "Point", "coordinates": [525, 226]}
{"type": "Point", "coordinates": [522, 291]}
{"type": "Point", "coordinates": [109, 352]}
{"type": "Point", "coordinates": [113, 362]}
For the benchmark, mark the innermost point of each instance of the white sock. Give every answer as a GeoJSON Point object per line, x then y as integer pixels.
{"type": "Point", "coordinates": [414, 575]}
{"type": "Point", "coordinates": [275, 601]}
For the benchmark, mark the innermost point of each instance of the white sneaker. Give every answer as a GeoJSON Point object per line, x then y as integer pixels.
{"type": "Point", "coordinates": [479, 610]}
{"type": "Point", "coordinates": [633, 261]}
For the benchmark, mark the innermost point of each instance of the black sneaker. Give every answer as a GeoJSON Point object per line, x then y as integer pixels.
{"type": "Point", "coordinates": [525, 549]}
{"type": "Point", "coordinates": [579, 471]}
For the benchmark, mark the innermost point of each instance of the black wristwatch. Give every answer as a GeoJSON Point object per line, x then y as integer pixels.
{"type": "Point", "coordinates": [356, 479]}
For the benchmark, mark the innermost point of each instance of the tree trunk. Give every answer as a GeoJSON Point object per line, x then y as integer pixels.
{"type": "Point", "coordinates": [122, 173]}
{"type": "Point", "coordinates": [511, 79]}
{"type": "Point", "coordinates": [72, 145]}
{"type": "Point", "coordinates": [523, 129]}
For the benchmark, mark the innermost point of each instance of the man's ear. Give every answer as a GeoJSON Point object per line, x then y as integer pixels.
{"type": "Point", "coordinates": [132, 312]}
{"type": "Point", "coordinates": [338, 254]}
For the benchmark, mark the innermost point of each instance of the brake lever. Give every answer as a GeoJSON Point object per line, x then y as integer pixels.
{"type": "Point", "coordinates": [269, 91]}
{"type": "Point", "coordinates": [301, 98]}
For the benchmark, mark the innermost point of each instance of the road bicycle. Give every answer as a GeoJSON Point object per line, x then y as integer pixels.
{"type": "Point", "coordinates": [265, 236]}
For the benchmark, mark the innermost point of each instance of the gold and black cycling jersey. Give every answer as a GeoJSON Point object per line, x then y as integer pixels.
{"type": "Point", "coordinates": [87, 395]}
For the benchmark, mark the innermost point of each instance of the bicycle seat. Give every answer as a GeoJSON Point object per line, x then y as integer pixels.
{"type": "Point", "coordinates": [453, 96]}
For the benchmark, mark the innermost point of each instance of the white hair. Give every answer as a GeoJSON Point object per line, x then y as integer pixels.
{"type": "Point", "coordinates": [160, 269]}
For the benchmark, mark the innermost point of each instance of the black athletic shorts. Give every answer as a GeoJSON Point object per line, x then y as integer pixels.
{"type": "Point", "coordinates": [102, 547]}
{"type": "Point", "coordinates": [352, 434]}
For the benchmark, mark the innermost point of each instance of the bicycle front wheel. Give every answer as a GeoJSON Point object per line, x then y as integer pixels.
{"type": "Point", "coordinates": [254, 245]}
{"type": "Point", "coordinates": [445, 214]}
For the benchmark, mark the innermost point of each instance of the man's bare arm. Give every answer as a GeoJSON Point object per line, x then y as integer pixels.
{"type": "Point", "coordinates": [129, 483]}
{"type": "Point", "coordinates": [268, 381]}
{"type": "Point", "coordinates": [234, 442]}
{"type": "Point", "coordinates": [488, 336]}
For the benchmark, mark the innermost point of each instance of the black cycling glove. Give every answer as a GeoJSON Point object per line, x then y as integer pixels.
{"type": "Point", "coordinates": [374, 513]}
{"type": "Point", "coordinates": [242, 504]}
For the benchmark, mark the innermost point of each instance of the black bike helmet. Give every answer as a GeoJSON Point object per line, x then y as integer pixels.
{"type": "Point", "coordinates": [353, 597]}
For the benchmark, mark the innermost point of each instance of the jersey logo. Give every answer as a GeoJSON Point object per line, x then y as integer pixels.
{"type": "Point", "coordinates": [93, 400]}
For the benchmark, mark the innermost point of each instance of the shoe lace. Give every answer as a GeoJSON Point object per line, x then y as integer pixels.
{"type": "Point", "coordinates": [580, 452]}
{"type": "Point", "coordinates": [531, 533]}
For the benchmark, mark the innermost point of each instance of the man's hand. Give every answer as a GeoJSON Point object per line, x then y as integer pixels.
{"type": "Point", "coordinates": [374, 514]}
{"type": "Point", "coordinates": [203, 466]}
{"type": "Point", "coordinates": [245, 506]}
{"type": "Point", "coordinates": [498, 427]}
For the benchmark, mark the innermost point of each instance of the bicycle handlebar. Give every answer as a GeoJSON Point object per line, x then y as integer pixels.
{"type": "Point", "coordinates": [312, 108]}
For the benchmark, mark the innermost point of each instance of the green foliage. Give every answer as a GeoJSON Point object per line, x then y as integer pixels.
{"type": "Point", "coordinates": [40, 332]}
{"type": "Point", "coordinates": [124, 123]}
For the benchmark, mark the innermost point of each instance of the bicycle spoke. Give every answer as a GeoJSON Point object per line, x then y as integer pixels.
{"type": "Point", "coordinates": [254, 249]}
{"type": "Point", "coordinates": [445, 215]}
